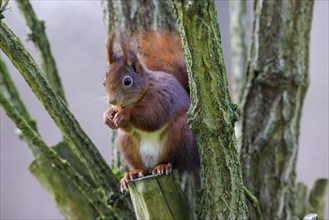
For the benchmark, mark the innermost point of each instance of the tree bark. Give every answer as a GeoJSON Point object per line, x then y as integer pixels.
{"type": "Point", "coordinates": [239, 28]}
{"type": "Point", "coordinates": [317, 200]}
{"type": "Point", "coordinates": [159, 197]}
{"type": "Point", "coordinates": [277, 81]}
{"type": "Point", "coordinates": [106, 185]}
{"type": "Point", "coordinates": [132, 15]}
{"type": "Point", "coordinates": [90, 198]}
{"type": "Point", "coordinates": [212, 114]}
{"type": "Point", "coordinates": [10, 93]}
{"type": "Point", "coordinates": [40, 40]}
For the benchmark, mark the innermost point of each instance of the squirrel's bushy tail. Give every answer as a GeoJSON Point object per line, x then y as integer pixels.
{"type": "Point", "coordinates": [163, 51]}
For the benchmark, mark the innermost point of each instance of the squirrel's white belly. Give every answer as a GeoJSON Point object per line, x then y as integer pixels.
{"type": "Point", "coordinates": [150, 147]}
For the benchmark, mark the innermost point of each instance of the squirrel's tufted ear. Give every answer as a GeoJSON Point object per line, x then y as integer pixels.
{"type": "Point", "coordinates": [128, 47]}
{"type": "Point", "coordinates": [110, 49]}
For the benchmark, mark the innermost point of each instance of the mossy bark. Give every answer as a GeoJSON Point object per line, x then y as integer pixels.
{"type": "Point", "coordinates": [61, 170]}
{"type": "Point", "coordinates": [132, 15]}
{"type": "Point", "coordinates": [106, 183]}
{"type": "Point", "coordinates": [159, 197]}
{"type": "Point", "coordinates": [277, 80]}
{"type": "Point", "coordinates": [40, 40]}
{"type": "Point", "coordinates": [300, 207]}
{"type": "Point", "coordinates": [317, 200]}
{"type": "Point", "coordinates": [212, 114]}
{"type": "Point", "coordinates": [239, 28]}
{"type": "Point", "coordinates": [71, 202]}
{"type": "Point", "coordinates": [73, 187]}
{"type": "Point", "coordinates": [10, 93]}
{"type": "Point", "coordinates": [25, 64]}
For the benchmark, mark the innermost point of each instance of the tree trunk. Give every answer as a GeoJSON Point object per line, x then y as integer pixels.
{"type": "Point", "coordinates": [239, 27]}
{"type": "Point", "coordinates": [212, 114]}
{"type": "Point", "coordinates": [277, 81]}
{"type": "Point", "coordinates": [132, 15]}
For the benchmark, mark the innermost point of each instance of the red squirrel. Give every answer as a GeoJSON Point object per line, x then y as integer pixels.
{"type": "Point", "coordinates": [147, 86]}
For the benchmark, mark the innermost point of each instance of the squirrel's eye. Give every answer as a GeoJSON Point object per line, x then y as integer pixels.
{"type": "Point", "coordinates": [127, 81]}
{"type": "Point", "coordinates": [133, 65]}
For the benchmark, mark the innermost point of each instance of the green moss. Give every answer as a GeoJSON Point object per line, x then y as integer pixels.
{"type": "Point", "coordinates": [211, 113]}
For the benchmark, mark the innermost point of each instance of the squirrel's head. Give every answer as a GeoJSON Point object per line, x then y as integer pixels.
{"type": "Point", "coordinates": [125, 80]}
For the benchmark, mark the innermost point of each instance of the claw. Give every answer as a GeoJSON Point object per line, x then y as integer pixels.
{"type": "Point", "coordinates": [162, 168]}
{"type": "Point", "coordinates": [108, 116]}
{"type": "Point", "coordinates": [123, 185]}
{"type": "Point", "coordinates": [131, 176]}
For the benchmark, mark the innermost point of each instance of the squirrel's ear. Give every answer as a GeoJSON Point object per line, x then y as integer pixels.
{"type": "Point", "coordinates": [128, 47]}
{"type": "Point", "coordinates": [110, 49]}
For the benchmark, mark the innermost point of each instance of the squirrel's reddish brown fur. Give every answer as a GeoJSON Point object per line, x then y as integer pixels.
{"type": "Point", "coordinates": [163, 51]}
{"type": "Point", "coordinates": [147, 85]}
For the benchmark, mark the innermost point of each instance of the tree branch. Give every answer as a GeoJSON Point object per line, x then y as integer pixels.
{"type": "Point", "coordinates": [300, 207]}
{"type": "Point", "coordinates": [211, 114]}
{"type": "Point", "coordinates": [62, 165]}
{"type": "Point", "coordinates": [255, 203]}
{"type": "Point", "coordinates": [40, 40]}
{"type": "Point", "coordinates": [10, 93]}
{"type": "Point", "coordinates": [57, 109]}
{"type": "Point", "coordinates": [317, 201]}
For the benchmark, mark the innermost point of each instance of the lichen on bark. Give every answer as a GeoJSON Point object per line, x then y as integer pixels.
{"type": "Point", "coordinates": [94, 163]}
{"type": "Point", "coordinates": [277, 80]}
{"type": "Point", "coordinates": [212, 114]}
{"type": "Point", "coordinates": [40, 40]}
{"type": "Point", "coordinates": [132, 15]}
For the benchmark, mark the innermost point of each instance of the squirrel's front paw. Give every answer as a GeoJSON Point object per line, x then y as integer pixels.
{"type": "Point", "coordinates": [121, 119]}
{"type": "Point", "coordinates": [108, 117]}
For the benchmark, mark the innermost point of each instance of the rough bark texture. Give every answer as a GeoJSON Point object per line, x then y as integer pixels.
{"type": "Point", "coordinates": [159, 197]}
{"type": "Point", "coordinates": [277, 81]}
{"type": "Point", "coordinates": [300, 207]}
{"type": "Point", "coordinates": [239, 27]}
{"type": "Point", "coordinates": [87, 192]}
{"type": "Point", "coordinates": [40, 40]}
{"type": "Point", "coordinates": [135, 15]}
{"type": "Point", "coordinates": [317, 200]}
{"type": "Point", "coordinates": [25, 64]}
{"type": "Point", "coordinates": [106, 184]}
{"type": "Point", "coordinates": [212, 114]}
{"type": "Point", "coordinates": [10, 93]}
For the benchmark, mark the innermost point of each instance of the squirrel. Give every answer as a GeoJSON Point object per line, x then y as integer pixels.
{"type": "Point", "coordinates": [147, 86]}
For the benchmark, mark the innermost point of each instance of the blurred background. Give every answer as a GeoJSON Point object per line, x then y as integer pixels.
{"type": "Point", "coordinates": [77, 35]}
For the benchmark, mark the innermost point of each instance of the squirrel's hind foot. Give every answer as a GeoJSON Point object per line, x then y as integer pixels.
{"type": "Point", "coordinates": [162, 168]}
{"type": "Point", "coordinates": [137, 173]}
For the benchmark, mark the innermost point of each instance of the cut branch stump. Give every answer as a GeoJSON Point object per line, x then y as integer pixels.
{"type": "Point", "coordinates": [158, 197]}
